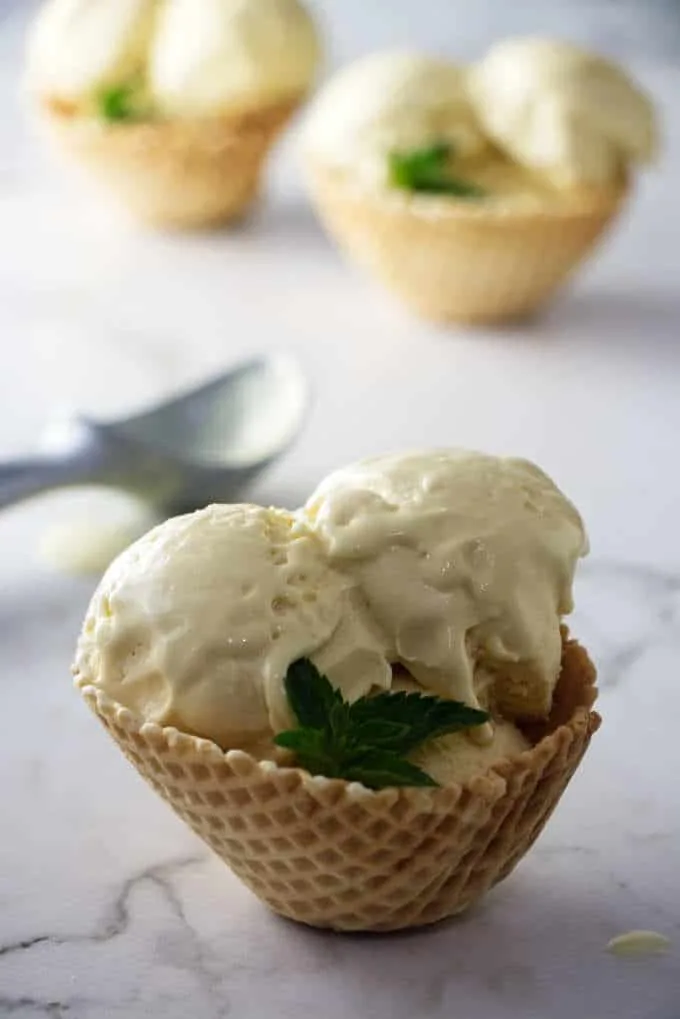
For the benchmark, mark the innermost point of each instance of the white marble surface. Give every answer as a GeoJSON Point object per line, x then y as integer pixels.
{"type": "Point", "coordinates": [108, 905]}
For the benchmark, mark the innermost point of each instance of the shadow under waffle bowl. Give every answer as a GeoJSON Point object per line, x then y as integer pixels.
{"type": "Point", "coordinates": [174, 173]}
{"type": "Point", "coordinates": [333, 854]}
{"type": "Point", "coordinates": [462, 261]}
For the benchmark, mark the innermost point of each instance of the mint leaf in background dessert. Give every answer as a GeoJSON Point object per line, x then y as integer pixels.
{"type": "Point", "coordinates": [415, 168]}
{"type": "Point", "coordinates": [365, 741]}
{"type": "Point", "coordinates": [118, 103]}
{"type": "Point", "coordinates": [428, 170]}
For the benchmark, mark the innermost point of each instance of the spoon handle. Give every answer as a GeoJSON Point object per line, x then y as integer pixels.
{"type": "Point", "coordinates": [21, 479]}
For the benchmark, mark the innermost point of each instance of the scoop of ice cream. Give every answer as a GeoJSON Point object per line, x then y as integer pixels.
{"type": "Point", "coordinates": [187, 58]}
{"type": "Point", "coordinates": [466, 561]}
{"type": "Point", "coordinates": [78, 47]}
{"type": "Point", "coordinates": [220, 54]}
{"type": "Point", "coordinates": [390, 101]}
{"type": "Point", "coordinates": [459, 757]}
{"type": "Point", "coordinates": [196, 624]}
{"type": "Point", "coordinates": [556, 108]}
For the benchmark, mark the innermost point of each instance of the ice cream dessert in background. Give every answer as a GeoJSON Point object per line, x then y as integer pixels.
{"type": "Point", "coordinates": [563, 112]}
{"type": "Point", "coordinates": [172, 104]}
{"type": "Point", "coordinates": [291, 681]}
{"type": "Point", "coordinates": [474, 192]}
{"type": "Point", "coordinates": [391, 102]}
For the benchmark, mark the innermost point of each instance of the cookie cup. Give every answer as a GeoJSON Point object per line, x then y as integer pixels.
{"type": "Point", "coordinates": [334, 854]}
{"type": "Point", "coordinates": [469, 261]}
{"type": "Point", "coordinates": [181, 173]}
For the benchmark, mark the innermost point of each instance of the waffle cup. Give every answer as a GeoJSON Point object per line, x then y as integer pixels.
{"type": "Point", "coordinates": [462, 261]}
{"type": "Point", "coordinates": [174, 173]}
{"type": "Point", "coordinates": [334, 854]}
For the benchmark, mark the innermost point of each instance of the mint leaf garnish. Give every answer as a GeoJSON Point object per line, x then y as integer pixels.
{"type": "Point", "coordinates": [311, 749]}
{"type": "Point", "coordinates": [377, 769]}
{"type": "Point", "coordinates": [119, 103]}
{"type": "Point", "coordinates": [420, 717]}
{"type": "Point", "coordinates": [428, 170]}
{"type": "Point", "coordinates": [379, 732]}
{"type": "Point", "coordinates": [310, 695]}
{"type": "Point", "coordinates": [365, 741]}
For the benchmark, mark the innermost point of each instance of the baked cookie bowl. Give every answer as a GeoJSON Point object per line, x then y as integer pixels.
{"type": "Point", "coordinates": [174, 173]}
{"type": "Point", "coordinates": [452, 260]}
{"type": "Point", "coordinates": [334, 854]}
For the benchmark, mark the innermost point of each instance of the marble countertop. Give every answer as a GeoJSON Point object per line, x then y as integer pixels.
{"type": "Point", "coordinates": [108, 905]}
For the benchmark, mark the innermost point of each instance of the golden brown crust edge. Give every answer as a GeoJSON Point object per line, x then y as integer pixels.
{"type": "Point", "coordinates": [332, 854]}
{"type": "Point", "coordinates": [455, 261]}
{"type": "Point", "coordinates": [174, 173]}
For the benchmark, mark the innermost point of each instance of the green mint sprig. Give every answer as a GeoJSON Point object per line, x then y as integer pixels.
{"type": "Point", "coordinates": [429, 170]}
{"type": "Point", "coordinates": [119, 103]}
{"type": "Point", "coordinates": [366, 741]}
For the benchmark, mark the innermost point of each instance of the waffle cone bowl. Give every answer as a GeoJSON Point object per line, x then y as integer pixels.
{"type": "Point", "coordinates": [178, 173]}
{"type": "Point", "coordinates": [333, 854]}
{"type": "Point", "coordinates": [454, 261]}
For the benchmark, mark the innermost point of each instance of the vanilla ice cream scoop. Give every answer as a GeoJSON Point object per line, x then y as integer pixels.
{"type": "Point", "coordinates": [390, 101]}
{"type": "Point", "coordinates": [196, 624]}
{"type": "Point", "coordinates": [78, 47]}
{"type": "Point", "coordinates": [215, 54]}
{"type": "Point", "coordinates": [466, 562]}
{"type": "Point", "coordinates": [560, 110]}
{"type": "Point", "coordinates": [459, 757]}
{"type": "Point", "coordinates": [189, 58]}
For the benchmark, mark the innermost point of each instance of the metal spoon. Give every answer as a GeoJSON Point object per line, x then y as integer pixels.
{"type": "Point", "coordinates": [200, 447]}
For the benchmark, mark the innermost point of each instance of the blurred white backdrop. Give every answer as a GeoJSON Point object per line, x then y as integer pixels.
{"type": "Point", "coordinates": [629, 28]}
{"type": "Point", "coordinates": [632, 29]}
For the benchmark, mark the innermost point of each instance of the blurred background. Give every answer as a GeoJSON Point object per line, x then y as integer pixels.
{"type": "Point", "coordinates": [103, 317]}
{"type": "Point", "coordinates": [636, 29]}
{"type": "Point", "coordinates": [628, 28]}
{"type": "Point", "coordinates": [644, 31]}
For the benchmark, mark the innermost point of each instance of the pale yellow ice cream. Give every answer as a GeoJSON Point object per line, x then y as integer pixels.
{"type": "Point", "coordinates": [466, 562]}
{"type": "Point", "coordinates": [189, 58]}
{"type": "Point", "coordinates": [446, 572]}
{"type": "Point", "coordinates": [461, 755]}
{"type": "Point", "coordinates": [216, 55]}
{"type": "Point", "coordinates": [568, 113]}
{"type": "Point", "coordinates": [390, 101]}
{"type": "Point", "coordinates": [195, 625]}
{"type": "Point", "coordinates": [78, 47]}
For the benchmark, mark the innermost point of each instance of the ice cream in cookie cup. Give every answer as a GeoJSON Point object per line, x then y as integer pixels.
{"type": "Point", "coordinates": [171, 105]}
{"type": "Point", "coordinates": [473, 193]}
{"type": "Point", "coordinates": [368, 708]}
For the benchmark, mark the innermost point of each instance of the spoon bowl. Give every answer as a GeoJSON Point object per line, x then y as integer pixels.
{"type": "Point", "coordinates": [241, 418]}
{"type": "Point", "coordinates": [199, 447]}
